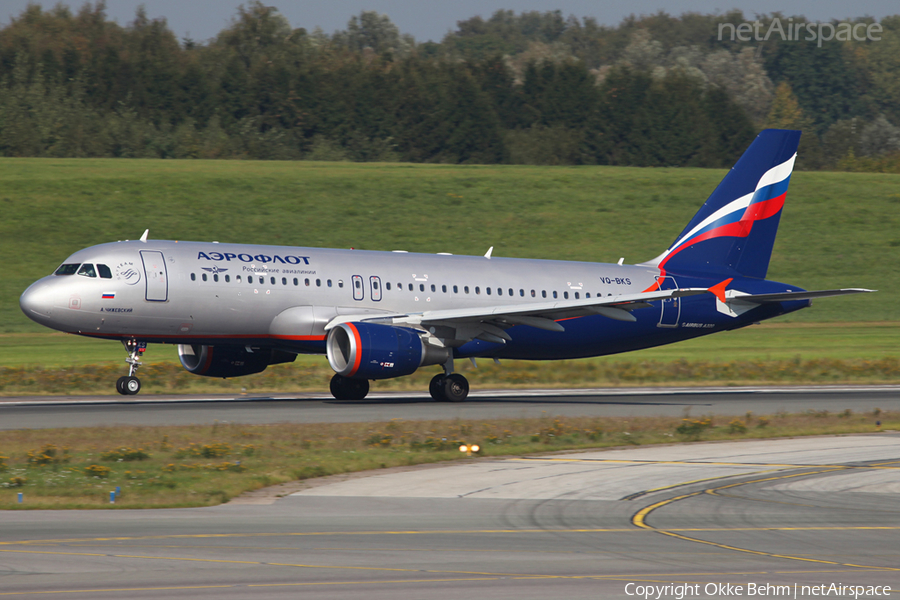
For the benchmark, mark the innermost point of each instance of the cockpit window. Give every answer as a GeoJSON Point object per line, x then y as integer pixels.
{"type": "Point", "coordinates": [69, 269]}
{"type": "Point", "coordinates": [87, 269]}
{"type": "Point", "coordinates": [104, 271]}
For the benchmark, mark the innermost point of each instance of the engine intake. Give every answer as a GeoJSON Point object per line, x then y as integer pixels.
{"type": "Point", "coordinates": [370, 351]}
{"type": "Point", "coordinates": [229, 361]}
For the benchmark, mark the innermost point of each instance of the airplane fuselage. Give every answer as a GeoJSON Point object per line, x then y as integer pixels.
{"type": "Point", "coordinates": [283, 297]}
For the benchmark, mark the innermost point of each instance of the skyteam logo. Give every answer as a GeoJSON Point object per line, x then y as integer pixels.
{"type": "Point", "coordinates": [736, 218]}
{"type": "Point", "coordinates": [128, 273]}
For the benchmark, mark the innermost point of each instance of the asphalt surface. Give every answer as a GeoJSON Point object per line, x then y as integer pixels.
{"type": "Point", "coordinates": [79, 411]}
{"type": "Point", "coordinates": [753, 515]}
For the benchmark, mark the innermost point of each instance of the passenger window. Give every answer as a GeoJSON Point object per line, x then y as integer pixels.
{"type": "Point", "coordinates": [477, 290]}
{"type": "Point", "coordinates": [388, 285]}
{"type": "Point", "coordinates": [357, 284]}
{"type": "Point", "coordinates": [587, 295]}
{"type": "Point", "coordinates": [306, 282]}
{"type": "Point", "coordinates": [466, 289]}
{"type": "Point", "coordinates": [193, 277]}
{"type": "Point", "coordinates": [487, 289]}
{"type": "Point", "coordinates": [455, 289]}
{"type": "Point", "coordinates": [296, 282]}
{"type": "Point", "coordinates": [566, 295]}
{"type": "Point", "coordinates": [421, 287]}
{"type": "Point", "coordinates": [318, 283]}
{"type": "Point", "coordinates": [237, 278]}
{"type": "Point", "coordinates": [340, 283]}
{"type": "Point", "coordinates": [444, 288]}
{"type": "Point", "coordinates": [329, 283]}
{"type": "Point", "coordinates": [87, 270]}
{"type": "Point", "coordinates": [272, 280]}
{"type": "Point", "coordinates": [433, 289]}
{"type": "Point", "coordinates": [104, 272]}
{"type": "Point", "coordinates": [227, 278]}
{"type": "Point", "coordinates": [511, 291]}
{"type": "Point", "coordinates": [522, 293]}
{"type": "Point", "coordinates": [284, 281]}
{"type": "Point", "coordinates": [204, 277]}
{"type": "Point", "coordinates": [554, 294]}
{"type": "Point", "coordinates": [375, 285]}
{"type": "Point", "coordinates": [216, 278]}
{"type": "Point", "coordinates": [410, 287]}
{"type": "Point", "coordinates": [576, 296]}
{"type": "Point", "coordinates": [70, 269]}
{"type": "Point", "coordinates": [543, 293]}
{"type": "Point", "coordinates": [249, 278]}
{"type": "Point", "coordinates": [533, 294]}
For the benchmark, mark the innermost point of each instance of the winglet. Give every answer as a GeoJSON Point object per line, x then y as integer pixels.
{"type": "Point", "coordinates": [718, 290]}
{"type": "Point", "coordinates": [144, 237]}
{"type": "Point", "coordinates": [488, 253]}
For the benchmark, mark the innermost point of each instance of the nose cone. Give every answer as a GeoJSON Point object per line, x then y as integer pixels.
{"type": "Point", "coordinates": [37, 302]}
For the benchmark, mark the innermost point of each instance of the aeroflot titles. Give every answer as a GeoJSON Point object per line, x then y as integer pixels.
{"type": "Point", "coordinates": [263, 258]}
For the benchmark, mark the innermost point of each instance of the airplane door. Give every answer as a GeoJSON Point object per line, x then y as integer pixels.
{"type": "Point", "coordinates": [375, 285]}
{"type": "Point", "coordinates": [358, 291]}
{"type": "Point", "coordinates": [155, 276]}
{"type": "Point", "coordinates": [671, 307]}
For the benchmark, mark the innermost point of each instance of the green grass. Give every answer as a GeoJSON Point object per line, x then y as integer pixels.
{"type": "Point", "coordinates": [158, 467]}
{"type": "Point", "coordinates": [837, 230]}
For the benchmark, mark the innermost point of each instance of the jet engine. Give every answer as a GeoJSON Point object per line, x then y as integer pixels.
{"type": "Point", "coordinates": [229, 360]}
{"type": "Point", "coordinates": [371, 351]}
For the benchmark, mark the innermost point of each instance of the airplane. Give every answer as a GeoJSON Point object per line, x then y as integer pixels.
{"type": "Point", "coordinates": [234, 309]}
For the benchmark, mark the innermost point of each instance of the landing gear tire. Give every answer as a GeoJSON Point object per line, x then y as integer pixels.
{"type": "Point", "coordinates": [455, 388]}
{"type": "Point", "coordinates": [436, 387]}
{"type": "Point", "coordinates": [128, 386]}
{"type": "Point", "coordinates": [344, 388]}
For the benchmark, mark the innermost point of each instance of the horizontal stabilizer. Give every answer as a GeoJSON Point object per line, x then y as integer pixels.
{"type": "Point", "coordinates": [789, 296]}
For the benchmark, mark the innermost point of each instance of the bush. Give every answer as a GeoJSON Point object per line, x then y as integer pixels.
{"type": "Point", "coordinates": [124, 454]}
{"type": "Point", "coordinates": [692, 429]}
{"type": "Point", "coordinates": [737, 426]}
{"type": "Point", "coordinates": [97, 471]}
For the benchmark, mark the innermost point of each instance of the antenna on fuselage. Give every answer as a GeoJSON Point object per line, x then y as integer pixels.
{"type": "Point", "coordinates": [144, 237]}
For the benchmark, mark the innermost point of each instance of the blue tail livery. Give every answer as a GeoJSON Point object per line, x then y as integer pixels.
{"type": "Point", "coordinates": [234, 309]}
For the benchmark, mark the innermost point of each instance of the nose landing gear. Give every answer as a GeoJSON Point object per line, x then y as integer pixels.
{"type": "Point", "coordinates": [130, 385]}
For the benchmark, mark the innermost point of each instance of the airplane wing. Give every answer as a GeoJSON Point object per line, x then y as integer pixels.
{"type": "Point", "coordinates": [457, 326]}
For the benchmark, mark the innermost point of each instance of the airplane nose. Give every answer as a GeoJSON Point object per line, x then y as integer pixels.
{"type": "Point", "coordinates": [37, 302]}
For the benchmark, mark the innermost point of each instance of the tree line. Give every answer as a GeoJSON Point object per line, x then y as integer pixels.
{"type": "Point", "coordinates": [532, 88]}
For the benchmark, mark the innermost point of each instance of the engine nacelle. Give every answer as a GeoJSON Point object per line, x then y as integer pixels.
{"type": "Point", "coordinates": [370, 351]}
{"type": "Point", "coordinates": [229, 361]}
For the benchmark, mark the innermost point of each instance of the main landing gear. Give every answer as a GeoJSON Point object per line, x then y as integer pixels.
{"type": "Point", "coordinates": [449, 386]}
{"type": "Point", "coordinates": [345, 388]}
{"type": "Point", "coordinates": [130, 385]}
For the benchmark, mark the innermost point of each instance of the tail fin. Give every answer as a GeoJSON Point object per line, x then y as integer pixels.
{"type": "Point", "coordinates": [734, 231]}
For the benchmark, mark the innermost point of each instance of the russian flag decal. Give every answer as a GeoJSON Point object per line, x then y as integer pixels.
{"type": "Point", "coordinates": [108, 295]}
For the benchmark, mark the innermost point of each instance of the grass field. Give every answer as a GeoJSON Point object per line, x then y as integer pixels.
{"type": "Point", "coordinates": [183, 466]}
{"type": "Point", "coordinates": [837, 230]}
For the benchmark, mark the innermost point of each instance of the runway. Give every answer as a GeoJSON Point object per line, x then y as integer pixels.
{"type": "Point", "coordinates": [79, 411]}
{"type": "Point", "coordinates": [753, 515]}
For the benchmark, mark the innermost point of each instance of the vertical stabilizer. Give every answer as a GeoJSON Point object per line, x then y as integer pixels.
{"type": "Point", "coordinates": [734, 230]}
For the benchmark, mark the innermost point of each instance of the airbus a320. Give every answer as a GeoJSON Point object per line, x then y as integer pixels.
{"type": "Point", "coordinates": [235, 309]}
